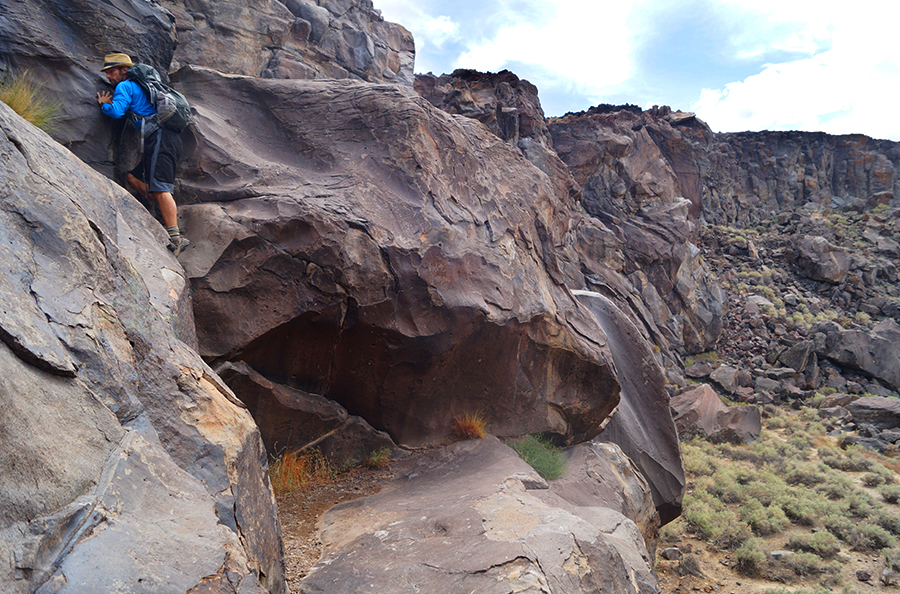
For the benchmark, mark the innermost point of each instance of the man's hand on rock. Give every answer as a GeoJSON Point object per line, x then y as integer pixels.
{"type": "Point", "coordinates": [104, 97]}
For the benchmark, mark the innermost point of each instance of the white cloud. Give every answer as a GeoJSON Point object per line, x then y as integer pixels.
{"type": "Point", "coordinates": [842, 90]}
{"type": "Point", "coordinates": [583, 47]}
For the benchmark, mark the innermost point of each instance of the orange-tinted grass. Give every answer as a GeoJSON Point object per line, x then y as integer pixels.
{"type": "Point", "coordinates": [469, 426]}
{"type": "Point", "coordinates": [296, 471]}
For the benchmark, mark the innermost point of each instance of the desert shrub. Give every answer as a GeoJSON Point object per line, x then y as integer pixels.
{"type": "Point", "coordinates": [469, 426]}
{"type": "Point", "coordinates": [716, 522]}
{"type": "Point", "coordinates": [873, 479]}
{"type": "Point", "coordinates": [750, 557]}
{"type": "Point", "coordinates": [689, 565]}
{"type": "Point", "coordinates": [379, 458]}
{"type": "Point", "coordinates": [858, 504]}
{"type": "Point", "coordinates": [823, 544]}
{"type": "Point", "coordinates": [804, 564]}
{"type": "Point", "coordinates": [28, 99]}
{"type": "Point", "coordinates": [860, 536]}
{"type": "Point", "coordinates": [294, 471]}
{"type": "Point", "coordinates": [887, 520]}
{"type": "Point", "coordinates": [543, 456]}
{"type": "Point", "coordinates": [763, 520]}
{"type": "Point", "coordinates": [892, 558]}
{"type": "Point", "coordinates": [801, 506]}
{"type": "Point", "coordinates": [889, 475]}
{"type": "Point", "coordinates": [837, 488]}
{"type": "Point", "coordinates": [890, 493]}
{"type": "Point", "coordinates": [697, 460]}
{"type": "Point", "coordinates": [730, 482]}
{"type": "Point", "coordinates": [805, 473]}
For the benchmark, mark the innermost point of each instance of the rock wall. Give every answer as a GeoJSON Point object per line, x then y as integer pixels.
{"type": "Point", "coordinates": [293, 39]}
{"type": "Point", "coordinates": [626, 158]}
{"type": "Point", "coordinates": [127, 464]}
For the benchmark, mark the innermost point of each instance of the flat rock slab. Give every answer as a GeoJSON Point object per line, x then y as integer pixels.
{"type": "Point", "coordinates": [460, 519]}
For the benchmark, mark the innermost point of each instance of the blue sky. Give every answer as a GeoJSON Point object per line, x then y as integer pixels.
{"type": "Point", "coordinates": [739, 64]}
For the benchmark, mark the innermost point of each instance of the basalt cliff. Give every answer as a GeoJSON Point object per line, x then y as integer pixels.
{"type": "Point", "coordinates": [373, 255]}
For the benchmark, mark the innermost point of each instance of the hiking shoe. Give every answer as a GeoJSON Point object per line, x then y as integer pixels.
{"type": "Point", "coordinates": [176, 247]}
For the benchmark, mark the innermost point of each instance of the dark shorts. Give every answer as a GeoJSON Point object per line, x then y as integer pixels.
{"type": "Point", "coordinates": [162, 151]}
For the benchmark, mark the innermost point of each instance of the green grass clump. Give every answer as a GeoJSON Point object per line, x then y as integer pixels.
{"type": "Point", "coordinates": [379, 458]}
{"type": "Point", "coordinates": [542, 455]}
{"type": "Point", "coordinates": [27, 98]}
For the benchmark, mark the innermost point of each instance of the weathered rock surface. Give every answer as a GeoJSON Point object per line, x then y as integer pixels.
{"type": "Point", "coordinates": [700, 411]}
{"type": "Point", "coordinates": [820, 260]}
{"type": "Point", "coordinates": [126, 464]}
{"type": "Point", "coordinates": [882, 413]}
{"type": "Point", "coordinates": [509, 107]}
{"type": "Point", "coordinates": [397, 260]}
{"type": "Point", "coordinates": [461, 519]}
{"type": "Point", "coordinates": [875, 351]}
{"type": "Point", "coordinates": [641, 425]}
{"type": "Point", "coordinates": [290, 420]}
{"type": "Point", "coordinates": [293, 39]}
{"type": "Point", "coordinates": [626, 158]}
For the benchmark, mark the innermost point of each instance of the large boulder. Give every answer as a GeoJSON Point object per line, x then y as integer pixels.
{"type": "Point", "coordinates": [700, 411]}
{"type": "Point", "coordinates": [881, 413]}
{"type": "Point", "coordinates": [641, 425]}
{"type": "Point", "coordinates": [473, 517]}
{"type": "Point", "coordinates": [290, 420]}
{"type": "Point", "coordinates": [875, 351]}
{"type": "Point", "coordinates": [127, 465]}
{"type": "Point", "coordinates": [626, 159]}
{"type": "Point", "coordinates": [820, 260]}
{"type": "Point", "coordinates": [352, 241]}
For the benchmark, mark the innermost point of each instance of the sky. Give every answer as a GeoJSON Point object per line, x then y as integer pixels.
{"type": "Point", "coordinates": [738, 64]}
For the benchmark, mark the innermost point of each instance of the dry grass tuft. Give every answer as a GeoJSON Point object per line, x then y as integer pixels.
{"type": "Point", "coordinates": [296, 471]}
{"type": "Point", "coordinates": [26, 97]}
{"type": "Point", "coordinates": [470, 426]}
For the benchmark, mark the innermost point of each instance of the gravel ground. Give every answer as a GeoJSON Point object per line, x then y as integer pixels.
{"type": "Point", "coordinates": [300, 511]}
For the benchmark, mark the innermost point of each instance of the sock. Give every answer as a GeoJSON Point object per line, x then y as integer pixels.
{"type": "Point", "coordinates": [174, 233]}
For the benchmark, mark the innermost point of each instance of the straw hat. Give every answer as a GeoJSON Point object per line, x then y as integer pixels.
{"type": "Point", "coordinates": [115, 60]}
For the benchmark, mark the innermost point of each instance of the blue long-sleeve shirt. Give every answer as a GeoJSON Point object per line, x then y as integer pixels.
{"type": "Point", "coordinates": [128, 97]}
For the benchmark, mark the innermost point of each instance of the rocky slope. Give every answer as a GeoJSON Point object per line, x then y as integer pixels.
{"type": "Point", "coordinates": [127, 464]}
{"type": "Point", "coordinates": [367, 264]}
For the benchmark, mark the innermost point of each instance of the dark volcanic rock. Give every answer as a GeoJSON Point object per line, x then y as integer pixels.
{"type": "Point", "coordinates": [396, 260]}
{"type": "Point", "coordinates": [291, 419]}
{"type": "Point", "coordinates": [127, 464]}
{"type": "Point", "coordinates": [509, 107]}
{"type": "Point", "coordinates": [820, 260]}
{"type": "Point", "coordinates": [641, 425]}
{"type": "Point", "coordinates": [875, 351]}
{"type": "Point", "coordinates": [461, 519]}
{"type": "Point", "coordinates": [293, 39]}
{"type": "Point", "coordinates": [882, 413]}
{"type": "Point", "coordinates": [700, 410]}
{"type": "Point", "coordinates": [625, 161]}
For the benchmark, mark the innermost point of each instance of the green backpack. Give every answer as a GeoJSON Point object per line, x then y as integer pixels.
{"type": "Point", "coordinates": [172, 109]}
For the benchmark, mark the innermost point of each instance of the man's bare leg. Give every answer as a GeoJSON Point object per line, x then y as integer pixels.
{"type": "Point", "coordinates": [167, 209]}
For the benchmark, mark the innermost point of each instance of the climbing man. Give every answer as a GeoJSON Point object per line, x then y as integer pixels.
{"type": "Point", "coordinates": [155, 174]}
